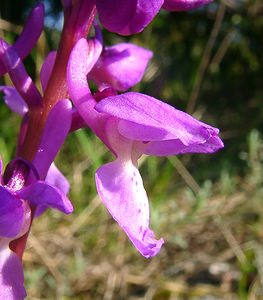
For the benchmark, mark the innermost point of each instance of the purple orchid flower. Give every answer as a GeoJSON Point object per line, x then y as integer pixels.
{"type": "Point", "coordinates": [181, 5]}
{"type": "Point", "coordinates": [15, 218]}
{"type": "Point", "coordinates": [20, 192]}
{"type": "Point", "coordinates": [130, 125]}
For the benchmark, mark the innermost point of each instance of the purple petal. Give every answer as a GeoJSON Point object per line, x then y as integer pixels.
{"type": "Point", "coordinates": [127, 17]}
{"type": "Point", "coordinates": [11, 275]}
{"type": "Point", "coordinates": [47, 68]}
{"type": "Point", "coordinates": [120, 187]}
{"type": "Point", "coordinates": [79, 65]}
{"type": "Point", "coordinates": [174, 147]}
{"type": "Point", "coordinates": [179, 5]}
{"type": "Point", "coordinates": [13, 100]}
{"type": "Point", "coordinates": [21, 80]}
{"type": "Point", "coordinates": [145, 118]}
{"type": "Point", "coordinates": [31, 31]}
{"type": "Point", "coordinates": [57, 179]}
{"type": "Point", "coordinates": [11, 214]}
{"type": "Point", "coordinates": [121, 66]}
{"type": "Point", "coordinates": [29, 36]}
{"type": "Point", "coordinates": [56, 129]}
{"type": "Point", "coordinates": [40, 193]}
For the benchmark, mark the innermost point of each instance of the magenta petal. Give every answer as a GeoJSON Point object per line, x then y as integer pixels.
{"type": "Point", "coordinates": [11, 275]}
{"type": "Point", "coordinates": [47, 68]}
{"type": "Point", "coordinates": [180, 5]}
{"type": "Point", "coordinates": [174, 147]}
{"type": "Point", "coordinates": [127, 17]}
{"type": "Point", "coordinates": [121, 66]}
{"type": "Point", "coordinates": [120, 187]}
{"type": "Point", "coordinates": [56, 129]}
{"type": "Point", "coordinates": [57, 179]}
{"type": "Point", "coordinates": [13, 100]}
{"type": "Point", "coordinates": [30, 34]}
{"type": "Point", "coordinates": [145, 118]}
{"type": "Point", "coordinates": [11, 214]}
{"type": "Point", "coordinates": [40, 193]}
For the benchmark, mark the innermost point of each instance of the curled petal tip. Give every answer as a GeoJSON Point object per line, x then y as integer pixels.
{"type": "Point", "coordinates": [43, 194]}
{"type": "Point", "coordinates": [149, 246]}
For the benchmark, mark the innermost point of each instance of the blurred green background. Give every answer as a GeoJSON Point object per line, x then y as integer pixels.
{"type": "Point", "coordinates": [208, 208]}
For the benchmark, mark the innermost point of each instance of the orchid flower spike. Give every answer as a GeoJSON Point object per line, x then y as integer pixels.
{"type": "Point", "coordinates": [130, 125]}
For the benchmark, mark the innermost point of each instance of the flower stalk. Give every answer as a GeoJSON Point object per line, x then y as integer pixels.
{"type": "Point", "coordinates": [78, 21]}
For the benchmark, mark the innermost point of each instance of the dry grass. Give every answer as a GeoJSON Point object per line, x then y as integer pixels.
{"type": "Point", "coordinates": [213, 251]}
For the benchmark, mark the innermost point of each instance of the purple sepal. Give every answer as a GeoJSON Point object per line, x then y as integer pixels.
{"type": "Point", "coordinates": [57, 179]}
{"type": "Point", "coordinates": [121, 66]}
{"type": "Point", "coordinates": [47, 68]}
{"type": "Point", "coordinates": [56, 129]}
{"type": "Point", "coordinates": [127, 17]}
{"type": "Point", "coordinates": [11, 275]}
{"type": "Point", "coordinates": [120, 187]}
{"type": "Point", "coordinates": [17, 72]}
{"type": "Point", "coordinates": [13, 100]}
{"type": "Point", "coordinates": [181, 5]}
{"type": "Point", "coordinates": [149, 119]}
{"type": "Point", "coordinates": [29, 36]}
{"type": "Point", "coordinates": [11, 214]}
{"type": "Point", "coordinates": [40, 193]}
{"type": "Point", "coordinates": [79, 65]}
